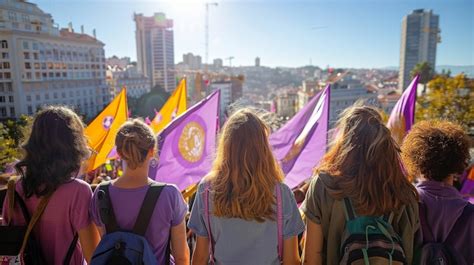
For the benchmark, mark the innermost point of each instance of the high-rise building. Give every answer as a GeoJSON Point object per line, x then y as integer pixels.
{"type": "Point", "coordinates": [218, 63]}
{"type": "Point", "coordinates": [155, 49]}
{"type": "Point", "coordinates": [420, 35]}
{"type": "Point", "coordinates": [192, 61]}
{"type": "Point", "coordinates": [41, 64]}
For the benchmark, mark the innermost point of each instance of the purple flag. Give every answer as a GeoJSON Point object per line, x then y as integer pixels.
{"type": "Point", "coordinates": [306, 140]}
{"type": "Point", "coordinates": [402, 117]}
{"type": "Point", "coordinates": [186, 146]}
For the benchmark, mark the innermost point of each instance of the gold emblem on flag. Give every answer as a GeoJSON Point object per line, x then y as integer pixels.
{"type": "Point", "coordinates": [191, 142]}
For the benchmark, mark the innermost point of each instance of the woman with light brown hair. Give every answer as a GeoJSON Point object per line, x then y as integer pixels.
{"type": "Point", "coordinates": [243, 213]}
{"type": "Point", "coordinates": [362, 169]}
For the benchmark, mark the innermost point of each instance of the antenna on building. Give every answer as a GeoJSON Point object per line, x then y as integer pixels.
{"type": "Point", "coordinates": [94, 34]}
{"type": "Point", "coordinates": [69, 27]}
{"type": "Point", "coordinates": [82, 29]}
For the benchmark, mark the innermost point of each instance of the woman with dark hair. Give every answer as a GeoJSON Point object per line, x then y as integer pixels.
{"type": "Point", "coordinates": [434, 152]}
{"type": "Point", "coordinates": [53, 155]}
{"type": "Point", "coordinates": [361, 169]}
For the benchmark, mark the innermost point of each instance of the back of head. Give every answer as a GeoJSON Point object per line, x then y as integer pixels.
{"type": "Point", "coordinates": [435, 150]}
{"type": "Point", "coordinates": [134, 141]}
{"type": "Point", "coordinates": [54, 150]}
{"type": "Point", "coordinates": [364, 159]}
{"type": "Point", "coordinates": [245, 172]}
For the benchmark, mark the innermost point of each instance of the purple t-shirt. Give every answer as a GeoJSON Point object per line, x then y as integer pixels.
{"type": "Point", "coordinates": [66, 213]}
{"type": "Point", "coordinates": [169, 211]}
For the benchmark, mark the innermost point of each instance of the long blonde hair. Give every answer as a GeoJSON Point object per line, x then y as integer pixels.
{"type": "Point", "coordinates": [245, 171]}
{"type": "Point", "coordinates": [365, 162]}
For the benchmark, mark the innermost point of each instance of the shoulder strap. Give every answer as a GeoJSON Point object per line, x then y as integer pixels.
{"type": "Point", "coordinates": [147, 208]}
{"type": "Point", "coordinates": [349, 210]}
{"type": "Point", "coordinates": [207, 186]}
{"type": "Point", "coordinates": [36, 216]}
{"type": "Point", "coordinates": [70, 251]}
{"type": "Point", "coordinates": [425, 227]}
{"type": "Point", "coordinates": [279, 221]}
{"type": "Point", "coordinates": [13, 197]}
{"type": "Point", "coordinates": [106, 210]}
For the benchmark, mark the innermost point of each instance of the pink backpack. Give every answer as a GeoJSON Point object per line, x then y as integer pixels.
{"type": "Point", "coordinates": [279, 222]}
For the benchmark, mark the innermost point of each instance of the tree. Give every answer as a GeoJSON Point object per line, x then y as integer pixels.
{"type": "Point", "coordinates": [425, 71]}
{"type": "Point", "coordinates": [8, 150]}
{"type": "Point", "coordinates": [450, 98]}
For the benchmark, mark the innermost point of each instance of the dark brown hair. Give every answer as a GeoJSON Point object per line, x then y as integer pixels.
{"type": "Point", "coordinates": [364, 161]}
{"type": "Point", "coordinates": [134, 140]}
{"type": "Point", "coordinates": [436, 149]}
{"type": "Point", "coordinates": [53, 152]}
{"type": "Point", "coordinates": [245, 171]}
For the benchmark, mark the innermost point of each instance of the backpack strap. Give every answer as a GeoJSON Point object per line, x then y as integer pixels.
{"type": "Point", "coordinates": [106, 210]}
{"type": "Point", "coordinates": [349, 209]}
{"type": "Point", "coordinates": [147, 208]}
{"type": "Point", "coordinates": [207, 218]}
{"type": "Point", "coordinates": [279, 221]}
{"type": "Point", "coordinates": [13, 197]}
{"type": "Point", "coordinates": [70, 251]}
{"type": "Point", "coordinates": [36, 216]}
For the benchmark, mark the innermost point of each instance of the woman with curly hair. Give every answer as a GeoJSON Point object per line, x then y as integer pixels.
{"type": "Point", "coordinates": [434, 152]}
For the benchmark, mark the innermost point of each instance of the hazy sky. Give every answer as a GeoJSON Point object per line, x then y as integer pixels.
{"type": "Point", "coordinates": [340, 33]}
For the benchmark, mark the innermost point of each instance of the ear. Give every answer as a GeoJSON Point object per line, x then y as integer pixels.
{"type": "Point", "coordinates": [151, 153]}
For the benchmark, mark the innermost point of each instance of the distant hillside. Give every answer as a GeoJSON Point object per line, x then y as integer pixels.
{"type": "Point", "coordinates": [455, 69]}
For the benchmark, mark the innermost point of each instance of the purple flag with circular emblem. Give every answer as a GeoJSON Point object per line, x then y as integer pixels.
{"type": "Point", "coordinates": [186, 146]}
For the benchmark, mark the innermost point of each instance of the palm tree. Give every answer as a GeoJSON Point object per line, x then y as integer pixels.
{"type": "Point", "coordinates": [425, 71]}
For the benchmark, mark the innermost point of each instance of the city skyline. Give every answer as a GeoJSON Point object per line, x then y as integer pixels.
{"type": "Point", "coordinates": [343, 34]}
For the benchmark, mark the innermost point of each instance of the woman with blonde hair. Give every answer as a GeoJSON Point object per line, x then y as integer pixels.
{"type": "Point", "coordinates": [243, 213]}
{"type": "Point", "coordinates": [360, 177]}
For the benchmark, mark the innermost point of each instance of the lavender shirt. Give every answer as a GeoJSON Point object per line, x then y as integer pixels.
{"type": "Point", "coordinates": [66, 213]}
{"type": "Point", "coordinates": [169, 211]}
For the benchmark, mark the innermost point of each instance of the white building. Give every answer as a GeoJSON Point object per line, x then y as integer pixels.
{"type": "Point", "coordinates": [120, 62]}
{"type": "Point", "coordinates": [137, 85]}
{"type": "Point", "coordinates": [41, 64]}
{"type": "Point", "coordinates": [155, 49]}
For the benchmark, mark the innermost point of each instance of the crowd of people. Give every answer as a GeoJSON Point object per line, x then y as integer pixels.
{"type": "Point", "coordinates": [359, 207]}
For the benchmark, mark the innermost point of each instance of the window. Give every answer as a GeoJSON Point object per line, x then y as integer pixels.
{"type": "Point", "coordinates": [55, 95]}
{"type": "Point", "coordinates": [26, 45]}
{"type": "Point", "coordinates": [12, 111]}
{"type": "Point", "coordinates": [4, 55]}
{"type": "Point", "coordinates": [28, 98]}
{"type": "Point", "coordinates": [26, 55]}
{"type": "Point", "coordinates": [38, 75]}
{"type": "Point", "coordinates": [43, 66]}
{"type": "Point", "coordinates": [38, 97]}
{"type": "Point", "coordinates": [28, 65]}
{"type": "Point", "coordinates": [46, 96]}
{"type": "Point", "coordinates": [11, 99]}
{"type": "Point", "coordinates": [6, 65]}
{"type": "Point", "coordinates": [2, 99]}
{"type": "Point", "coordinates": [35, 56]}
{"type": "Point", "coordinates": [35, 46]}
{"type": "Point", "coordinates": [44, 75]}
{"type": "Point", "coordinates": [37, 66]}
{"type": "Point", "coordinates": [12, 15]}
{"type": "Point", "coordinates": [30, 110]}
{"type": "Point", "coordinates": [7, 75]}
{"type": "Point", "coordinates": [4, 44]}
{"type": "Point", "coordinates": [3, 111]}
{"type": "Point", "coordinates": [29, 75]}
{"type": "Point", "coordinates": [2, 88]}
{"type": "Point", "coordinates": [9, 87]}
{"type": "Point", "coordinates": [63, 95]}
{"type": "Point", "coordinates": [1, 75]}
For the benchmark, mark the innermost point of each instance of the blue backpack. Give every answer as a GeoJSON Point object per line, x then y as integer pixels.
{"type": "Point", "coordinates": [122, 247]}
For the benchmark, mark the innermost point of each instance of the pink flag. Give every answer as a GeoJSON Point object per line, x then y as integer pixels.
{"type": "Point", "coordinates": [186, 146]}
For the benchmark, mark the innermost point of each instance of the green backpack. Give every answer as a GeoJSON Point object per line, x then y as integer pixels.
{"type": "Point", "coordinates": [370, 240]}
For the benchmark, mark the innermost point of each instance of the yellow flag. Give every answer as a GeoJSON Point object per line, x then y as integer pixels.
{"type": "Point", "coordinates": [102, 130]}
{"type": "Point", "coordinates": [173, 107]}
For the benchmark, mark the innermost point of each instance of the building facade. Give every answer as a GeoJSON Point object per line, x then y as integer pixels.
{"type": "Point", "coordinates": [41, 64]}
{"type": "Point", "coordinates": [155, 49]}
{"type": "Point", "coordinates": [420, 35]}
{"type": "Point", "coordinates": [136, 83]}
{"type": "Point", "coordinates": [287, 104]}
{"type": "Point", "coordinates": [192, 62]}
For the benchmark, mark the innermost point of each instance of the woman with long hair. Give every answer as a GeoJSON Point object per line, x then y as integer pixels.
{"type": "Point", "coordinates": [363, 167]}
{"type": "Point", "coordinates": [136, 145]}
{"type": "Point", "coordinates": [237, 224]}
{"type": "Point", "coordinates": [53, 155]}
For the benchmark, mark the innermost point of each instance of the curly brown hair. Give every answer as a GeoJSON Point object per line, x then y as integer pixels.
{"type": "Point", "coordinates": [436, 149]}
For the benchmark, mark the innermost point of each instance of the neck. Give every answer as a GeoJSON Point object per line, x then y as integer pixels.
{"type": "Point", "coordinates": [449, 180]}
{"type": "Point", "coordinates": [133, 178]}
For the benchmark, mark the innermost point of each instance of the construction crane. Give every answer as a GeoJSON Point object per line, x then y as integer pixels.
{"type": "Point", "coordinates": [207, 33]}
{"type": "Point", "coordinates": [230, 60]}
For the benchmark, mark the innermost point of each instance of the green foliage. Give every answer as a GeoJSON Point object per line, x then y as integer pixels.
{"type": "Point", "coordinates": [449, 98]}
{"type": "Point", "coordinates": [424, 70]}
{"type": "Point", "coordinates": [8, 148]}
